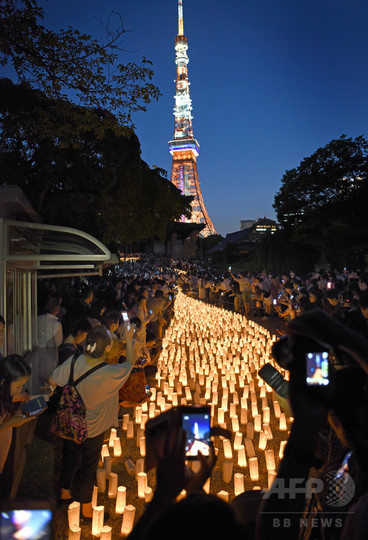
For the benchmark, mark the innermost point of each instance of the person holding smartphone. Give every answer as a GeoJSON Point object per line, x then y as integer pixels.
{"type": "Point", "coordinates": [244, 288]}
{"type": "Point", "coordinates": [14, 373]}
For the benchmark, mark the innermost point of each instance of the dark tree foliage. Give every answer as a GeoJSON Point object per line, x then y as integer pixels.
{"type": "Point", "coordinates": [322, 204]}
{"type": "Point", "coordinates": [70, 65]}
{"type": "Point", "coordinates": [332, 175]}
{"type": "Point", "coordinates": [73, 178]}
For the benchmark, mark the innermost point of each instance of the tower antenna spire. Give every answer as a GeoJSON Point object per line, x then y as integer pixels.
{"type": "Point", "coordinates": [180, 19]}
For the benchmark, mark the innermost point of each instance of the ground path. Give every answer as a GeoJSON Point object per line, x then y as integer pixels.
{"type": "Point", "coordinates": [209, 356]}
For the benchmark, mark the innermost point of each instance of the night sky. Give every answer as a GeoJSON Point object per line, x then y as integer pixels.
{"type": "Point", "coordinates": [270, 83]}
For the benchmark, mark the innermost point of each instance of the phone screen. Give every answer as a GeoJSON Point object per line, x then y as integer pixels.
{"type": "Point", "coordinates": [197, 427]}
{"type": "Point", "coordinates": [317, 368]}
{"type": "Point", "coordinates": [125, 316]}
{"type": "Point", "coordinates": [33, 524]}
{"type": "Point", "coordinates": [274, 301]}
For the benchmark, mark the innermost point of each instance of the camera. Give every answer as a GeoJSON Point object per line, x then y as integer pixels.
{"type": "Point", "coordinates": [195, 420]}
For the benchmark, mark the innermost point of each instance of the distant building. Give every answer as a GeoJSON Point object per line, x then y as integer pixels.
{"type": "Point", "coordinates": [246, 224]}
{"type": "Point", "coordinates": [266, 225]}
{"type": "Point", "coordinates": [245, 239]}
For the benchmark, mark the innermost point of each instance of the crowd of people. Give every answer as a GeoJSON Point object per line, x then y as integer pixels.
{"type": "Point", "coordinates": [341, 294]}
{"type": "Point", "coordinates": [117, 323]}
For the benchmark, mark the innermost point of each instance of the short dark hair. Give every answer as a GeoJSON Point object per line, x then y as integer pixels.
{"type": "Point", "coordinates": [81, 324]}
{"type": "Point", "coordinates": [109, 318]}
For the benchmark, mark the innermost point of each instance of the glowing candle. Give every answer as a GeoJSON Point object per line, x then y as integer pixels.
{"type": "Point", "coordinates": [106, 532]}
{"type": "Point", "coordinates": [142, 446]}
{"type": "Point", "coordinates": [253, 468]}
{"type": "Point", "coordinates": [238, 440]}
{"type": "Point", "coordinates": [142, 484]}
{"type": "Point", "coordinates": [220, 416]}
{"type": "Point", "coordinates": [235, 423]}
{"type": "Point", "coordinates": [238, 483]}
{"type": "Point", "coordinates": [74, 533]}
{"type": "Point", "coordinates": [262, 440]}
{"type": "Point", "coordinates": [117, 446]}
{"type": "Point", "coordinates": [266, 415]}
{"type": "Point", "coordinates": [128, 520]}
{"type": "Point", "coordinates": [242, 461]}
{"type": "Point", "coordinates": [227, 470]}
{"type": "Point", "coordinates": [138, 415]}
{"type": "Point", "coordinates": [282, 426]}
{"type": "Point", "coordinates": [95, 495]}
{"type": "Point", "coordinates": [113, 435]}
{"type": "Point", "coordinates": [271, 477]}
{"type": "Point", "coordinates": [206, 486]}
{"type": "Point", "coordinates": [267, 430]}
{"type": "Point", "coordinates": [97, 520]}
{"type": "Point", "coordinates": [144, 419]}
{"type": "Point", "coordinates": [139, 434]}
{"type": "Point", "coordinates": [125, 422]}
{"type": "Point", "coordinates": [120, 500]}
{"type": "Point", "coordinates": [101, 480]}
{"type": "Point", "coordinates": [282, 448]}
{"type": "Point", "coordinates": [223, 495]}
{"type": "Point", "coordinates": [258, 423]}
{"type": "Point", "coordinates": [228, 453]}
{"type": "Point", "coordinates": [277, 409]}
{"type": "Point", "coordinates": [74, 514]}
{"type": "Point", "coordinates": [148, 494]}
{"type": "Point", "coordinates": [270, 460]}
{"type": "Point", "coordinates": [130, 430]}
{"type": "Point", "coordinates": [104, 451]}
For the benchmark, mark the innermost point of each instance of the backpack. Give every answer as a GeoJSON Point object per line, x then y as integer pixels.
{"type": "Point", "coordinates": [70, 421]}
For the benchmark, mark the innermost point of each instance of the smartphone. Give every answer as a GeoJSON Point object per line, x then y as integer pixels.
{"type": "Point", "coordinates": [196, 422]}
{"type": "Point", "coordinates": [150, 311]}
{"type": "Point", "coordinates": [33, 407]}
{"type": "Point", "coordinates": [25, 519]}
{"type": "Point", "coordinates": [160, 431]}
{"type": "Point", "coordinates": [317, 368]}
{"type": "Point", "coordinates": [329, 285]}
{"type": "Point", "coordinates": [125, 317]}
{"type": "Point", "coordinates": [274, 301]}
{"type": "Point", "coordinates": [229, 267]}
{"type": "Point", "coordinates": [274, 379]}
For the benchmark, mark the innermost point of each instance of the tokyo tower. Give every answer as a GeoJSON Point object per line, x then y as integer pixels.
{"type": "Point", "coordinates": [184, 148]}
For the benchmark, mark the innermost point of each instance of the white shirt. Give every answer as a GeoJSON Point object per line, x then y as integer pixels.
{"type": "Point", "coordinates": [49, 331]}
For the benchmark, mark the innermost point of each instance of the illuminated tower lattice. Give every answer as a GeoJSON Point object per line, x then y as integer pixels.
{"type": "Point", "coordinates": [184, 148]}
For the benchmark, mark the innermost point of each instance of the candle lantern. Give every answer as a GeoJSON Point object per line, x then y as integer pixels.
{"type": "Point", "coordinates": [120, 500]}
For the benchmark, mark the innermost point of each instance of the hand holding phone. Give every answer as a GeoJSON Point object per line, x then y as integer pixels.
{"type": "Point", "coordinates": [274, 379]}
